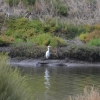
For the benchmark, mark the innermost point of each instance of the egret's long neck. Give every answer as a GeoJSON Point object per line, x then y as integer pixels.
{"type": "Point", "coordinates": [48, 49]}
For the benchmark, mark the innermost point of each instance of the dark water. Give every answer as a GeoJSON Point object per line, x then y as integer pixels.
{"type": "Point", "coordinates": [57, 83]}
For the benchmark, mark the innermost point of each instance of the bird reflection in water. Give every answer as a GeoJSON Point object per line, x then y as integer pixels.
{"type": "Point", "coordinates": [46, 77]}
{"type": "Point", "coordinates": [47, 82]}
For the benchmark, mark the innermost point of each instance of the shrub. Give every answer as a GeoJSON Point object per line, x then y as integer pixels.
{"type": "Point", "coordinates": [27, 50]}
{"type": "Point", "coordinates": [95, 42]}
{"type": "Point", "coordinates": [60, 8]}
{"type": "Point", "coordinates": [22, 29]}
{"type": "Point", "coordinates": [47, 39]}
{"type": "Point", "coordinates": [83, 36]}
{"type": "Point", "coordinates": [6, 40]}
{"type": "Point", "coordinates": [92, 35]}
{"type": "Point", "coordinates": [82, 52]}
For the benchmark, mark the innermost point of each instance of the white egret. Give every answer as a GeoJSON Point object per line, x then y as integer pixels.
{"type": "Point", "coordinates": [48, 52]}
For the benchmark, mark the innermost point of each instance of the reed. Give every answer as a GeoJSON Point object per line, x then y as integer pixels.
{"type": "Point", "coordinates": [13, 86]}
{"type": "Point", "coordinates": [89, 94]}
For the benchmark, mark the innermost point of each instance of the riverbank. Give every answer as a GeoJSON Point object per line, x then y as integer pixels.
{"type": "Point", "coordinates": [52, 63]}
{"type": "Point", "coordinates": [61, 58]}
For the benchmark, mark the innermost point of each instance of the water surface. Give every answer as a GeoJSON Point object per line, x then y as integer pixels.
{"type": "Point", "coordinates": [57, 83]}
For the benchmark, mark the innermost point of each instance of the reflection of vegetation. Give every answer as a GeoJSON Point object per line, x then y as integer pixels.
{"type": "Point", "coordinates": [13, 86]}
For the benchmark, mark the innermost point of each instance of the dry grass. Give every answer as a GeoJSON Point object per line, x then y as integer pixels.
{"type": "Point", "coordinates": [79, 11]}
{"type": "Point", "coordinates": [89, 94]}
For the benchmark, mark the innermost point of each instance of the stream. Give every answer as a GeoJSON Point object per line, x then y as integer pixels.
{"type": "Point", "coordinates": [58, 83]}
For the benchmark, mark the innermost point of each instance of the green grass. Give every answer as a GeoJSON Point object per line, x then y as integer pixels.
{"type": "Point", "coordinates": [13, 86]}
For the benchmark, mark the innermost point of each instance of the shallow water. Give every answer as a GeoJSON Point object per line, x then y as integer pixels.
{"type": "Point", "coordinates": [57, 83]}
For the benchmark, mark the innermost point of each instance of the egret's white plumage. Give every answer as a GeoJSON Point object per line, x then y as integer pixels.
{"type": "Point", "coordinates": [48, 52]}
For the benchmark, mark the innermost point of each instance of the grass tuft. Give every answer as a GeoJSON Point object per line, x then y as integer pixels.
{"type": "Point", "coordinates": [89, 94]}
{"type": "Point", "coordinates": [13, 86]}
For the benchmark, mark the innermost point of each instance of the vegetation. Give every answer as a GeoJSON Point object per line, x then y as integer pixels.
{"type": "Point", "coordinates": [5, 40]}
{"type": "Point", "coordinates": [80, 52]}
{"type": "Point", "coordinates": [95, 42]}
{"type": "Point", "coordinates": [13, 86]}
{"type": "Point", "coordinates": [60, 8]}
{"type": "Point", "coordinates": [23, 30]}
{"type": "Point", "coordinates": [83, 52]}
{"type": "Point", "coordinates": [27, 50]}
{"type": "Point", "coordinates": [16, 2]}
{"type": "Point", "coordinates": [89, 94]}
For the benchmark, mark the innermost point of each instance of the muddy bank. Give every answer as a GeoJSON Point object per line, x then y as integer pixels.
{"type": "Point", "coordinates": [51, 63]}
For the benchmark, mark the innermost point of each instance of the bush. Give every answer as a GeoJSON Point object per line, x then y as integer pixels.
{"type": "Point", "coordinates": [13, 86]}
{"type": "Point", "coordinates": [92, 35]}
{"type": "Point", "coordinates": [95, 42]}
{"type": "Point", "coordinates": [47, 39]}
{"type": "Point", "coordinates": [6, 40]}
{"type": "Point", "coordinates": [60, 8]}
{"type": "Point", "coordinates": [27, 50]}
{"type": "Point", "coordinates": [22, 29]}
{"type": "Point", "coordinates": [83, 36]}
{"type": "Point", "coordinates": [72, 30]}
{"type": "Point", "coordinates": [30, 50]}
{"type": "Point", "coordinates": [82, 52]}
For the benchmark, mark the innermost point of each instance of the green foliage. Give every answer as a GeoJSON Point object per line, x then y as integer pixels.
{"type": "Point", "coordinates": [95, 42]}
{"type": "Point", "coordinates": [59, 27]}
{"type": "Point", "coordinates": [74, 30]}
{"type": "Point", "coordinates": [82, 36]}
{"type": "Point", "coordinates": [6, 40]}
{"type": "Point", "coordinates": [22, 29]}
{"type": "Point", "coordinates": [60, 8]}
{"type": "Point", "coordinates": [13, 86]}
{"type": "Point", "coordinates": [47, 39]}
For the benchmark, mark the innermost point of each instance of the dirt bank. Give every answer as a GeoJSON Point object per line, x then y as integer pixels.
{"type": "Point", "coordinates": [52, 63]}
